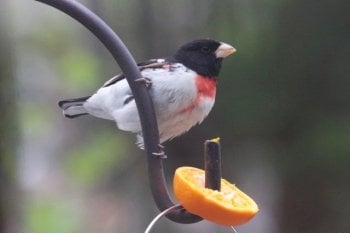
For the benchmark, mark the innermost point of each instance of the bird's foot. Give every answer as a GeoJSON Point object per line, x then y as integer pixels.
{"type": "Point", "coordinates": [146, 81]}
{"type": "Point", "coordinates": [161, 154]}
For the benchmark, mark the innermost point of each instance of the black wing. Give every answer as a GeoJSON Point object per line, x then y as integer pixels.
{"type": "Point", "coordinates": [152, 63]}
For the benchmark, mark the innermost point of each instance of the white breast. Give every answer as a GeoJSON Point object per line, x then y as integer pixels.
{"type": "Point", "coordinates": [171, 92]}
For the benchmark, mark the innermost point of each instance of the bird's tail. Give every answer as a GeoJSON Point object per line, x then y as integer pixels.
{"type": "Point", "coordinates": [73, 107]}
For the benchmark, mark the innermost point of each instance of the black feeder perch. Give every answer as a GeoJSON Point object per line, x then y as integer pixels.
{"type": "Point", "coordinates": [146, 111]}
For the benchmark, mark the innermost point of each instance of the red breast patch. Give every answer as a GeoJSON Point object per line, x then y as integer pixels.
{"type": "Point", "coordinates": [206, 86]}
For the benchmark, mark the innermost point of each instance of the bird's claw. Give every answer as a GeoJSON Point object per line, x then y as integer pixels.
{"type": "Point", "coordinates": [161, 154]}
{"type": "Point", "coordinates": [146, 81]}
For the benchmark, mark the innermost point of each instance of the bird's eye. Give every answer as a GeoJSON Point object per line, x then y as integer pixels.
{"type": "Point", "coordinates": [205, 49]}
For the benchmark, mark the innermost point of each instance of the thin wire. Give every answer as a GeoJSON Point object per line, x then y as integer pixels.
{"type": "Point", "coordinates": [167, 211]}
{"type": "Point", "coordinates": [164, 212]}
{"type": "Point", "coordinates": [234, 230]}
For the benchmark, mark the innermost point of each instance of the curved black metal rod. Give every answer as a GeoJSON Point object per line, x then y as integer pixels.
{"type": "Point", "coordinates": [142, 98]}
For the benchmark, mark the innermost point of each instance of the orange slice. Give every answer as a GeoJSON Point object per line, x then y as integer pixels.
{"type": "Point", "coordinates": [228, 207]}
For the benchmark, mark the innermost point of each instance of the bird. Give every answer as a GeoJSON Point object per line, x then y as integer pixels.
{"type": "Point", "coordinates": [182, 88]}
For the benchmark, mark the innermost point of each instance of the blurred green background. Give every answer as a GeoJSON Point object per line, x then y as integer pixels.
{"type": "Point", "coordinates": [282, 111]}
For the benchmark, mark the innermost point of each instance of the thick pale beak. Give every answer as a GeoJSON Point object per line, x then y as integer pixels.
{"type": "Point", "coordinates": [224, 50]}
